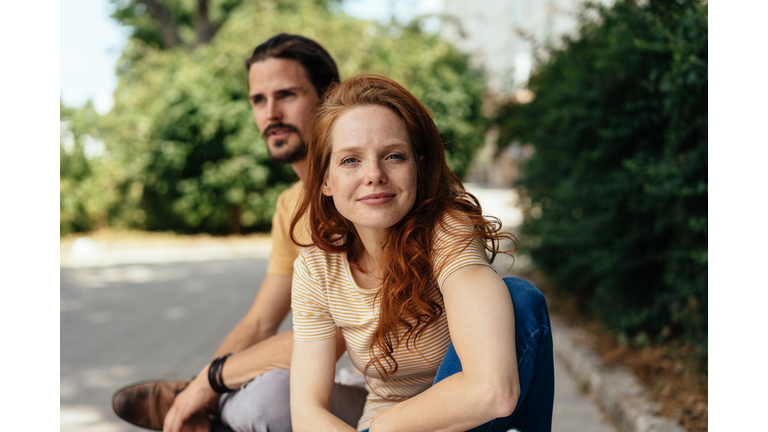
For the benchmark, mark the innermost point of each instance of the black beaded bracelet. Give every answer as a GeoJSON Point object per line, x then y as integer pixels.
{"type": "Point", "coordinates": [215, 378]}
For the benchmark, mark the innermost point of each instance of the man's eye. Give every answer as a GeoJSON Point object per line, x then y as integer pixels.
{"type": "Point", "coordinates": [257, 100]}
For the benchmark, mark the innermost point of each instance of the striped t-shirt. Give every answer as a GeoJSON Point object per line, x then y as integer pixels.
{"type": "Point", "coordinates": [325, 296]}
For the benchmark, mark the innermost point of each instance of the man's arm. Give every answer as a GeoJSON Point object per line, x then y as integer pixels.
{"type": "Point", "coordinates": [269, 308]}
{"type": "Point", "coordinates": [261, 352]}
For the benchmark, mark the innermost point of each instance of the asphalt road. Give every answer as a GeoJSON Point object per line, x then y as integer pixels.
{"type": "Point", "coordinates": [122, 323]}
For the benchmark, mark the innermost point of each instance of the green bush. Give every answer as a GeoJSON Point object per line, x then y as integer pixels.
{"type": "Point", "coordinates": [185, 152]}
{"type": "Point", "coordinates": [82, 173]}
{"type": "Point", "coordinates": [618, 181]}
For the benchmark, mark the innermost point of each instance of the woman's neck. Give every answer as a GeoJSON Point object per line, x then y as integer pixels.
{"type": "Point", "coordinates": [372, 253]}
{"type": "Point", "coordinates": [366, 271]}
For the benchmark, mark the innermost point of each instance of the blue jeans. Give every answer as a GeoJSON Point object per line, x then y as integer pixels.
{"type": "Point", "coordinates": [535, 364]}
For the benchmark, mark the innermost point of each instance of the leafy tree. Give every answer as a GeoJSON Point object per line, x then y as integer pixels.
{"type": "Point", "coordinates": [164, 24]}
{"type": "Point", "coordinates": [618, 181]}
{"type": "Point", "coordinates": [80, 150]}
{"type": "Point", "coordinates": [188, 154]}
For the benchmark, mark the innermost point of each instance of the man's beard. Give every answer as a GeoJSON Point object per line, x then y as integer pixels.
{"type": "Point", "coordinates": [299, 152]}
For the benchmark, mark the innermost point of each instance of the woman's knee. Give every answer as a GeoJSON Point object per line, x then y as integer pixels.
{"type": "Point", "coordinates": [528, 301]}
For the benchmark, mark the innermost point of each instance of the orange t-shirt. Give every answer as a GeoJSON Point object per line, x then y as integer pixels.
{"type": "Point", "coordinates": [284, 250]}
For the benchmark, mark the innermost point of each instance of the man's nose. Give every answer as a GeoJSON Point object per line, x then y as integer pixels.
{"type": "Point", "coordinates": [274, 113]}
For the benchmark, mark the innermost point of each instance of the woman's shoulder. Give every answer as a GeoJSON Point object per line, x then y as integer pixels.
{"type": "Point", "coordinates": [313, 252]}
{"type": "Point", "coordinates": [456, 245]}
{"type": "Point", "coordinates": [452, 225]}
{"type": "Point", "coordinates": [316, 259]}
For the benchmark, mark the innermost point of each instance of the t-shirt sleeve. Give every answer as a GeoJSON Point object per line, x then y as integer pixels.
{"type": "Point", "coordinates": [454, 250]}
{"type": "Point", "coordinates": [312, 319]}
{"type": "Point", "coordinates": [284, 251]}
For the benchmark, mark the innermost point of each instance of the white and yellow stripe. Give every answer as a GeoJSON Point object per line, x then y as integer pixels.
{"type": "Point", "coordinates": [325, 297]}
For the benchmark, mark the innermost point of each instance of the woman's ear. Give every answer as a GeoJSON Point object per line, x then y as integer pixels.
{"type": "Point", "coordinates": [327, 191]}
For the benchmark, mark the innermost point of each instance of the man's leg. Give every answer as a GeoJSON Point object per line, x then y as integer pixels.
{"type": "Point", "coordinates": [263, 405]}
{"type": "Point", "coordinates": [535, 363]}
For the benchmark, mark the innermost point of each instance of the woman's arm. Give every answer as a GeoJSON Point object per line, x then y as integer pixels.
{"type": "Point", "coordinates": [313, 368]}
{"type": "Point", "coordinates": [482, 324]}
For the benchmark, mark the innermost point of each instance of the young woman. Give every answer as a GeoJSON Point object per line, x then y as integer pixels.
{"type": "Point", "coordinates": [399, 264]}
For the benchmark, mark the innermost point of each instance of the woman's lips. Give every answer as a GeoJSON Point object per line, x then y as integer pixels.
{"type": "Point", "coordinates": [377, 198]}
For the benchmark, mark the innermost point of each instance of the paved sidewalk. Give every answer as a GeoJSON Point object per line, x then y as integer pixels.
{"type": "Point", "coordinates": [127, 321]}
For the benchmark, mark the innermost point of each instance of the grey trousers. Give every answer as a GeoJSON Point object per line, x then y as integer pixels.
{"type": "Point", "coordinates": [263, 405]}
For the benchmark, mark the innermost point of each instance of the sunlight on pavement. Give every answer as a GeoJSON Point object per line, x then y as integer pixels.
{"type": "Point", "coordinates": [87, 252]}
{"type": "Point", "coordinates": [83, 418]}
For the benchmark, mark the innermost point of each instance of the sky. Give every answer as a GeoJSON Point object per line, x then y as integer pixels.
{"type": "Point", "coordinates": [91, 43]}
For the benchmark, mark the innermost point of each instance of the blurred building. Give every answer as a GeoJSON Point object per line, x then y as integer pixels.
{"type": "Point", "coordinates": [498, 35]}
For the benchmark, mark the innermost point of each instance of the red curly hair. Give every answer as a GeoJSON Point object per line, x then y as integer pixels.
{"type": "Point", "coordinates": [407, 263]}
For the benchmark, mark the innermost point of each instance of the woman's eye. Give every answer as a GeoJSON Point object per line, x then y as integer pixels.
{"type": "Point", "coordinates": [348, 161]}
{"type": "Point", "coordinates": [396, 156]}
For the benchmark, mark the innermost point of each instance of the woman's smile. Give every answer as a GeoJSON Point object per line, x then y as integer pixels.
{"type": "Point", "coordinates": [377, 198]}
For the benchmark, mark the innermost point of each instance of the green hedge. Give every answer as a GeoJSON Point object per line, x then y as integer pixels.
{"type": "Point", "coordinates": [183, 151]}
{"type": "Point", "coordinates": [618, 181]}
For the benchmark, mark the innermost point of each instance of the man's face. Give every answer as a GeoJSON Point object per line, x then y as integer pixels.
{"type": "Point", "coordinates": [282, 98]}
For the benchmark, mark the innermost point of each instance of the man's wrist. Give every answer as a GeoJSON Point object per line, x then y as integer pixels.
{"type": "Point", "coordinates": [216, 375]}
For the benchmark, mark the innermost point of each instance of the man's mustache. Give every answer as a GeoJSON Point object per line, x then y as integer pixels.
{"type": "Point", "coordinates": [271, 127]}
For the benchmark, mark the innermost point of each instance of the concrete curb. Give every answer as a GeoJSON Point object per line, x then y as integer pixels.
{"type": "Point", "coordinates": [616, 389]}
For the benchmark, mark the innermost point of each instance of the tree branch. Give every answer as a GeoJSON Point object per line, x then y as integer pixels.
{"type": "Point", "coordinates": [168, 30]}
{"type": "Point", "coordinates": [206, 30]}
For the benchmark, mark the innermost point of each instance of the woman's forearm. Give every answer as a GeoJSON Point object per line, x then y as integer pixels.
{"type": "Point", "coordinates": [457, 403]}
{"type": "Point", "coordinates": [312, 372]}
{"type": "Point", "coordinates": [317, 418]}
{"type": "Point", "coordinates": [482, 326]}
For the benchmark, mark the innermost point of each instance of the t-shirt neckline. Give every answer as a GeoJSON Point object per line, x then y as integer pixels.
{"type": "Point", "coordinates": [348, 270]}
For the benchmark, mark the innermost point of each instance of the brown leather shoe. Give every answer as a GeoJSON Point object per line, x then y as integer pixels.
{"type": "Point", "coordinates": [145, 404]}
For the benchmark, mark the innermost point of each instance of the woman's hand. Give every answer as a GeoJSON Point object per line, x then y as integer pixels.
{"type": "Point", "coordinates": [188, 412]}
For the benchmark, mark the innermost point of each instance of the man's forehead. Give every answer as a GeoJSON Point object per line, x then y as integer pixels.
{"type": "Point", "coordinates": [276, 74]}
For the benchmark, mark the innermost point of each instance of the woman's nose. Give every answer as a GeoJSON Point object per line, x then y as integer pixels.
{"type": "Point", "coordinates": [374, 174]}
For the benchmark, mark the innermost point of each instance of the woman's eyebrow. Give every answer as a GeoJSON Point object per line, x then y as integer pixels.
{"type": "Point", "coordinates": [357, 147]}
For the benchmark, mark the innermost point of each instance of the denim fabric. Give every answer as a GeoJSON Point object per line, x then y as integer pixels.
{"type": "Point", "coordinates": [535, 363]}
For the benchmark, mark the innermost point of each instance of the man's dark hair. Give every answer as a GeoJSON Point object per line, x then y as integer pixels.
{"type": "Point", "coordinates": [320, 67]}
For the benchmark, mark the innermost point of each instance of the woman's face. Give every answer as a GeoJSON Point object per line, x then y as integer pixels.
{"type": "Point", "coordinates": [372, 170]}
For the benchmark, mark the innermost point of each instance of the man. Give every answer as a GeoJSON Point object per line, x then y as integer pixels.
{"type": "Point", "coordinates": [287, 77]}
